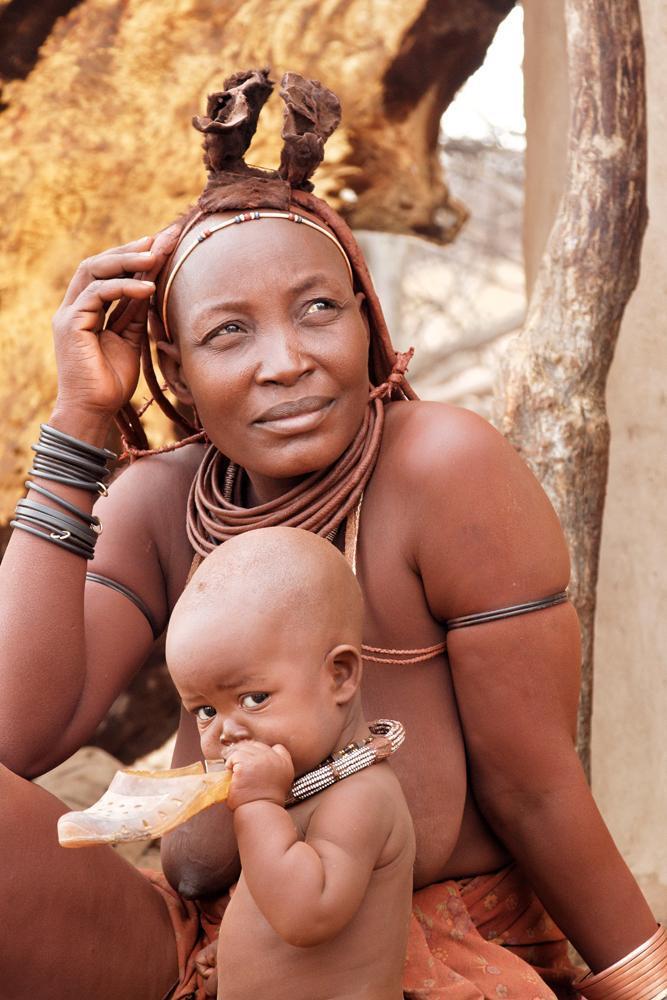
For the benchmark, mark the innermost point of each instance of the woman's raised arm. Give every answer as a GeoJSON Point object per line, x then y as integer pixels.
{"type": "Point", "coordinates": [63, 660]}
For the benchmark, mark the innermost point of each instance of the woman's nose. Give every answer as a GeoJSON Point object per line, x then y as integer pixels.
{"type": "Point", "coordinates": [283, 359]}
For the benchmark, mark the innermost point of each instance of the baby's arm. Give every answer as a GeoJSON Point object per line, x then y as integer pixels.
{"type": "Point", "coordinates": [307, 890]}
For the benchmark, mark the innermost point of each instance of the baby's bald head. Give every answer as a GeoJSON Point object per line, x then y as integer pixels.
{"type": "Point", "coordinates": [278, 579]}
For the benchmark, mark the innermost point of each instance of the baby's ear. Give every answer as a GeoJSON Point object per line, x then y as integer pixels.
{"type": "Point", "coordinates": [344, 667]}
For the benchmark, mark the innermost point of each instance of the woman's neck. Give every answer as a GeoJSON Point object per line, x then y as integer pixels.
{"type": "Point", "coordinates": [256, 489]}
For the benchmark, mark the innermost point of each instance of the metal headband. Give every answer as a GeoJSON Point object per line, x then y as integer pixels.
{"type": "Point", "coordinates": [243, 217]}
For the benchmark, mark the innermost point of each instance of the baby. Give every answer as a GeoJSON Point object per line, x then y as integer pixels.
{"type": "Point", "coordinates": [264, 648]}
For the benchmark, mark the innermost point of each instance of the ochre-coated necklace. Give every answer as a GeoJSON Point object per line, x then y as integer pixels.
{"type": "Point", "coordinates": [320, 503]}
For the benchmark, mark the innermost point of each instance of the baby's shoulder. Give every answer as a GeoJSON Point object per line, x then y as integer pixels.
{"type": "Point", "coordinates": [366, 813]}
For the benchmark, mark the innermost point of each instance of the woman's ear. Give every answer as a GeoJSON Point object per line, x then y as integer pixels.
{"type": "Point", "coordinates": [169, 357]}
{"type": "Point", "coordinates": [363, 312]}
{"type": "Point", "coordinates": [343, 666]}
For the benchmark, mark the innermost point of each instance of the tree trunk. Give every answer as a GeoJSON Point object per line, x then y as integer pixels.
{"type": "Point", "coordinates": [551, 399]}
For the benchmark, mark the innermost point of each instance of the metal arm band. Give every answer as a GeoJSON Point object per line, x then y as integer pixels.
{"type": "Point", "coordinates": [91, 519]}
{"type": "Point", "coordinates": [62, 543]}
{"type": "Point", "coordinates": [640, 975]}
{"type": "Point", "coordinates": [131, 596]}
{"type": "Point", "coordinates": [481, 617]}
{"type": "Point", "coordinates": [53, 518]}
{"type": "Point", "coordinates": [79, 484]}
{"type": "Point", "coordinates": [74, 444]}
{"type": "Point", "coordinates": [72, 460]}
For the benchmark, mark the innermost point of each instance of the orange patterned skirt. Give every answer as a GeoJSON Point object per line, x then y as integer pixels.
{"type": "Point", "coordinates": [485, 938]}
{"type": "Point", "coordinates": [481, 938]}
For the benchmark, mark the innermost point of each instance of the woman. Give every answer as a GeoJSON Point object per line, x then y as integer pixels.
{"type": "Point", "coordinates": [265, 329]}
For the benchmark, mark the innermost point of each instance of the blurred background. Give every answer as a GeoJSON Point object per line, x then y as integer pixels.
{"type": "Point", "coordinates": [449, 165]}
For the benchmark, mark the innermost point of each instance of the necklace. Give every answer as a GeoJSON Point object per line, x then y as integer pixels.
{"type": "Point", "coordinates": [319, 503]}
{"type": "Point", "coordinates": [232, 486]}
{"type": "Point", "coordinates": [386, 737]}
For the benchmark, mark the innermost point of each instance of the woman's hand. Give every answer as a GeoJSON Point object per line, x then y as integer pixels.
{"type": "Point", "coordinates": [98, 364]}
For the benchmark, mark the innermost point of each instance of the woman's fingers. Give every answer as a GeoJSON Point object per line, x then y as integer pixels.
{"type": "Point", "coordinates": [130, 322]}
{"type": "Point", "coordinates": [93, 301]}
{"type": "Point", "coordinates": [136, 256]}
{"type": "Point", "coordinates": [141, 244]}
{"type": "Point", "coordinates": [166, 240]}
{"type": "Point", "coordinates": [143, 256]}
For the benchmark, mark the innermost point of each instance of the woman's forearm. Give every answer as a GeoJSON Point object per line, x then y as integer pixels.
{"type": "Point", "coordinates": [561, 842]}
{"type": "Point", "coordinates": [42, 633]}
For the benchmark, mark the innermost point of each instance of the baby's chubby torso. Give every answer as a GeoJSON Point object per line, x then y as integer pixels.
{"type": "Point", "coordinates": [364, 961]}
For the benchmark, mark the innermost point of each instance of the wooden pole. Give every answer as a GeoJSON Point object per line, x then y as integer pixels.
{"type": "Point", "coordinates": [551, 398]}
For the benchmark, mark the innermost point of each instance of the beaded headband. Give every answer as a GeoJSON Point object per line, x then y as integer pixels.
{"type": "Point", "coordinates": [243, 217]}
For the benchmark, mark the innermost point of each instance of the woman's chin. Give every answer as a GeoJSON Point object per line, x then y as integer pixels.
{"type": "Point", "coordinates": [292, 467]}
{"type": "Point", "coordinates": [294, 457]}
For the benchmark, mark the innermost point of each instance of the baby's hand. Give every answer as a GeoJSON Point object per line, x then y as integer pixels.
{"type": "Point", "coordinates": [259, 772]}
{"type": "Point", "coordinates": [206, 962]}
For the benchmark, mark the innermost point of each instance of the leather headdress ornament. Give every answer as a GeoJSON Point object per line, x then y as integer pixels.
{"type": "Point", "coordinates": [311, 114]}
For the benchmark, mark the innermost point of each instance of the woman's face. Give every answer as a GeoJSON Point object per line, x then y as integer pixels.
{"type": "Point", "coordinates": [273, 346]}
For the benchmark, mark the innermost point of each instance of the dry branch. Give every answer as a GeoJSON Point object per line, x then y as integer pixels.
{"type": "Point", "coordinates": [551, 401]}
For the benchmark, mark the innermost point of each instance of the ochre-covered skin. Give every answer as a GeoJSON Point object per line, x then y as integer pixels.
{"type": "Point", "coordinates": [452, 523]}
{"type": "Point", "coordinates": [264, 648]}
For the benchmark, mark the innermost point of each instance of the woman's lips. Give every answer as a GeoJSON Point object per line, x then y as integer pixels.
{"type": "Point", "coordinates": [297, 415]}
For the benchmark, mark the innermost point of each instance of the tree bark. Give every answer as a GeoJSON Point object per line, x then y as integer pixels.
{"type": "Point", "coordinates": [551, 398]}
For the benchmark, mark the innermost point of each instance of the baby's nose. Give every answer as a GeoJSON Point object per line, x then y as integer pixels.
{"type": "Point", "coordinates": [233, 731]}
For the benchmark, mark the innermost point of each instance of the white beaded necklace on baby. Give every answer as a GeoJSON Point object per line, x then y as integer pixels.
{"type": "Point", "coordinates": [386, 737]}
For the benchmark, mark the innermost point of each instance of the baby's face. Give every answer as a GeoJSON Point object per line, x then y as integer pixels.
{"type": "Point", "coordinates": [258, 683]}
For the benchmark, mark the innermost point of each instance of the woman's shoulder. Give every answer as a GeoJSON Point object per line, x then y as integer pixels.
{"type": "Point", "coordinates": [427, 437]}
{"type": "Point", "coordinates": [163, 473]}
{"type": "Point", "coordinates": [146, 495]}
{"type": "Point", "coordinates": [470, 494]}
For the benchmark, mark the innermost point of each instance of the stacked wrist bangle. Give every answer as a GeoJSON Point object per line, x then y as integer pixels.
{"type": "Point", "coordinates": [61, 458]}
{"type": "Point", "coordinates": [641, 975]}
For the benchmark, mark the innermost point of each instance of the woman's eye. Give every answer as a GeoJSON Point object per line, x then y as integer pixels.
{"type": "Point", "coordinates": [320, 305]}
{"type": "Point", "coordinates": [230, 327]}
{"type": "Point", "coordinates": [226, 329]}
{"type": "Point", "coordinates": [205, 712]}
{"type": "Point", "coordinates": [254, 700]}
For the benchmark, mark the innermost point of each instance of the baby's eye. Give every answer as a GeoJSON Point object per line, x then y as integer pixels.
{"type": "Point", "coordinates": [320, 305]}
{"type": "Point", "coordinates": [254, 700]}
{"type": "Point", "coordinates": [205, 712]}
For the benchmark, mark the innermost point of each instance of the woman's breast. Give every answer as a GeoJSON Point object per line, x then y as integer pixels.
{"type": "Point", "coordinates": [431, 764]}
